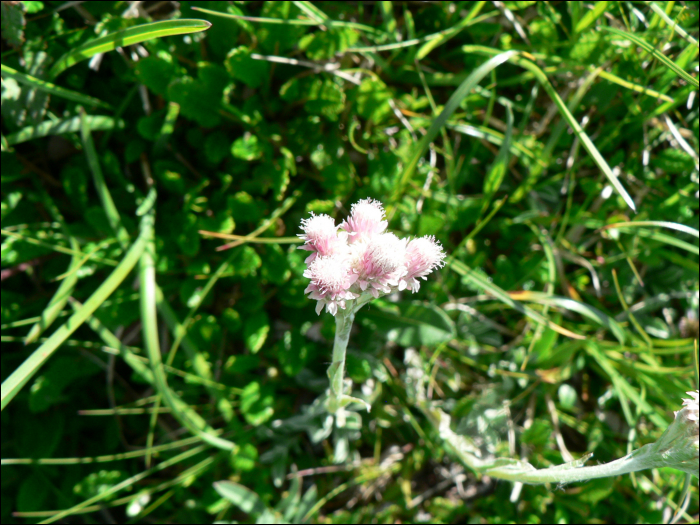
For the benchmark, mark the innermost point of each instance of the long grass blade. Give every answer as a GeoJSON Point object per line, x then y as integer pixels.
{"type": "Point", "coordinates": [646, 46]}
{"type": "Point", "coordinates": [14, 383]}
{"type": "Point", "coordinates": [503, 296]}
{"type": "Point", "coordinates": [661, 224]}
{"type": "Point", "coordinates": [65, 289]}
{"type": "Point", "coordinates": [102, 190]}
{"type": "Point", "coordinates": [48, 87]}
{"type": "Point", "coordinates": [58, 127]}
{"type": "Point", "coordinates": [150, 336]}
{"type": "Point", "coordinates": [566, 114]}
{"type": "Point", "coordinates": [127, 37]}
{"type": "Point", "coordinates": [575, 306]}
{"type": "Point", "coordinates": [127, 483]}
{"type": "Point", "coordinates": [450, 107]}
{"type": "Point", "coordinates": [498, 169]}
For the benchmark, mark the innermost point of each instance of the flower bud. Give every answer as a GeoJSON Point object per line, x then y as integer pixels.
{"type": "Point", "coordinates": [678, 446]}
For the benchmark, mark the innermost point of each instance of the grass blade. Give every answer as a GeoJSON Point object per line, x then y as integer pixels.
{"type": "Point", "coordinates": [100, 186]}
{"type": "Point", "coordinates": [149, 322]}
{"type": "Point", "coordinates": [655, 52]}
{"type": "Point", "coordinates": [503, 296]}
{"type": "Point", "coordinates": [671, 23]}
{"type": "Point", "coordinates": [662, 224]}
{"type": "Point", "coordinates": [494, 178]}
{"type": "Point", "coordinates": [569, 304]}
{"type": "Point", "coordinates": [14, 383]}
{"type": "Point", "coordinates": [127, 483]}
{"type": "Point", "coordinates": [71, 125]}
{"type": "Point", "coordinates": [450, 107]}
{"type": "Point", "coordinates": [127, 37]}
{"type": "Point", "coordinates": [451, 32]}
{"type": "Point", "coordinates": [50, 88]}
{"type": "Point", "coordinates": [566, 114]}
{"type": "Point", "coordinates": [591, 16]}
{"type": "Point", "coordinates": [58, 301]}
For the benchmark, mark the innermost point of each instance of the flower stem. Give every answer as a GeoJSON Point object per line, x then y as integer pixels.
{"type": "Point", "coordinates": [336, 372]}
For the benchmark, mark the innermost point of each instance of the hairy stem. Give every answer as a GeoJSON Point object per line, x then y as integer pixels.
{"type": "Point", "coordinates": [336, 372]}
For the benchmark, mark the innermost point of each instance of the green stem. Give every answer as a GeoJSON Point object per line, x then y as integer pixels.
{"type": "Point", "coordinates": [336, 372]}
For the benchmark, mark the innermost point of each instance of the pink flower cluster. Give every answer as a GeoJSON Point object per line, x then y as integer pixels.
{"type": "Point", "coordinates": [358, 256]}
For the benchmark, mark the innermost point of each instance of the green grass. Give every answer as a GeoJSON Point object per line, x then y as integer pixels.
{"type": "Point", "coordinates": [161, 362]}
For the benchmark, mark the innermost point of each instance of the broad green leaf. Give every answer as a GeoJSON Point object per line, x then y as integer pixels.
{"type": "Point", "coordinates": [127, 37]}
{"type": "Point", "coordinates": [247, 148]}
{"type": "Point", "coordinates": [255, 331]}
{"type": "Point", "coordinates": [257, 403]}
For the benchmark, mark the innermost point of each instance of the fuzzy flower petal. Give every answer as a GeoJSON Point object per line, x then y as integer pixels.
{"type": "Point", "coordinates": [321, 236]}
{"type": "Point", "coordinates": [331, 280]}
{"type": "Point", "coordinates": [366, 219]}
{"type": "Point", "coordinates": [423, 255]}
{"type": "Point", "coordinates": [379, 263]}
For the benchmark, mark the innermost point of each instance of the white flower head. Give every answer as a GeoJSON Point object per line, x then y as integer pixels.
{"type": "Point", "coordinates": [366, 219]}
{"type": "Point", "coordinates": [331, 280]}
{"type": "Point", "coordinates": [379, 262]}
{"type": "Point", "coordinates": [423, 255]}
{"type": "Point", "coordinates": [321, 236]}
{"type": "Point", "coordinates": [362, 259]}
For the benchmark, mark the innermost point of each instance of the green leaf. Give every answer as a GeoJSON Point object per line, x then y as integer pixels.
{"type": "Point", "coordinates": [324, 45]}
{"type": "Point", "coordinates": [452, 104]}
{"type": "Point", "coordinates": [50, 88]}
{"type": "Point", "coordinates": [414, 324]}
{"type": "Point", "coordinates": [47, 389]}
{"type": "Point", "coordinates": [242, 497]}
{"type": "Point", "coordinates": [241, 66]}
{"type": "Point", "coordinates": [326, 98]}
{"type": "Point", "coordinates": [58, 127]}
{"type": "Point", "coordinates": [247, 148]}
{"type": "Point", "coordinates": [255, 331]}
{"type": "Point", "coordinates": [256, 403]}
{"type": "Point", "coordinates": [646, 46]}
{"type": "Point", "coordinates": [127, 37]}
{"type": "Point", "coordinates": [155, 73]}
{"type": "Point", "coordinates": [13, 23]}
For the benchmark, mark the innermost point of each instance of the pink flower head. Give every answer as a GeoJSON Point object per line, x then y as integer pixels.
{"type": "Point", "coordinates": [379, 262]}
{"type": "Point", "coordinates": [331, 280]}
{"type": "Point", "coordinates": [423, 255]}
{"type": "Point", "coordinates": [321, 236]}
{"type": "Point", "coordinates": [366, 219]}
